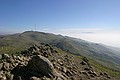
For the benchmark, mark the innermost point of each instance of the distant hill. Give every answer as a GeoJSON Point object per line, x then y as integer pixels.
{"type": "Point", "coordinates": [108, 56]}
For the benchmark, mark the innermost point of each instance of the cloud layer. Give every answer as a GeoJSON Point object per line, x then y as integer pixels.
{"type": "Point", "coordinates": [106, 36]}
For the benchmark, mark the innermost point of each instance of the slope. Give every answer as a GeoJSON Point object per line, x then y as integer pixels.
{"type": "Point", "coordinates": [100, 53]}
{"type": "Point", "coordinates": [44, 62]}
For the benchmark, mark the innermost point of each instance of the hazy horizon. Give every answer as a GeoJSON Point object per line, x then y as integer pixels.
{"type": "Point", "coordinates": [85, 34]}
{"type": "Point", "coordinates": [91, 20]}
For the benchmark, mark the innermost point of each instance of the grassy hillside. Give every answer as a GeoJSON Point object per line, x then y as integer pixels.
{"type": "Point", "coordinates": [97, 67]}
{"type": "Point", "coordinates": [17, 42]}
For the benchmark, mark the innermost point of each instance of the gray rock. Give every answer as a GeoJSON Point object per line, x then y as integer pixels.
{"type": "Point", "coordinates": [2, 76]}
{"type": "Point", "coordinates": [10, 60]}
{"type": "Point", "coordinates": [9, 76]}
{"type": "Point", "coordinates": [0, 56]}
{"type": "Point", "coordinates": [101, 73]}
{"type": "Point", "coordinates": [58, 78]}
{"type": "Point", "coordinates": [87, 69]}
{"type": "Point", "coordinates": [93, 72]}
{"type": "Point", "coordinates": [19, 78]}
{"type": "Point", "coordinates": [5, 66]}
{"type": "Point", "coordinates": [69, 73]}
{"type": "Point", "coordinates": [83, 63]}
{"type": "Point", "coordinates": [85, 59]}
{"type": "Point", "coordinates": [19, 58]}
{"type": "Point", "coordinates": [34, 78]}
{"type": "Point", "coordinates": [106, 74]}
{"type": "Point", "coordinates": [45, 78]}
{"type": "Point", "coordinates": [5, 56]}
{"type": "Point", "coordinates": [1, 65]}
{"type": "Point", "coordinates": [64, 69]}
{"type": "Point", "coordinates": [84, 72]}
{"type": "Point", "coordinates": [42, 65]}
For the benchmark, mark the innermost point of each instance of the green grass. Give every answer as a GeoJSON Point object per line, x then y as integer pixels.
{"type": "Point", "coordinates": [101, 68]}
{"type": "Point", "coordinates": [98, 67]}
{"type": "Point", "coordinates": [12, 47]}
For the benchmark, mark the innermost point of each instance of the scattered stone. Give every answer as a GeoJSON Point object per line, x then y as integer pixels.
{"type": "Point", "coordinates": [1, 65]}
{"type": "Point", "coordinates": [83, 63]}
{"type": "Point", "coordinates": [101, 73]}
{"type": "Point", "coordinates": [106, 74]}
{"type": "Point", "coordinates": [92, 72]}
{"type": "Point", "coordinates": [84, 72]}
{"type": "Point", "coordinates": [92, 75]}
{"type": "Point", "coordinates": [3, 77]}
{"type": "Point", "coordinates": [5, 56]}
{"type": "Point", "coordinates": [9, 76]}
{"type": "Point", "coordinates": [45, 63]}
{"type": "Point", "coordinates": [69, 73]}
{"type": "Point", "coordinates": [87, 69]}
{"type": "Point", "coordinates": [5, 66]}
{"type": "Point", "coordinates": [45, 78]}
{"type": "Point", "coordinates": [0, 56]}
{"type": "Point", "coordinates": [59, 78]}
{"type": "Point", "coordinates": [34, 78]}
{"type": "Point", "coordinates": [85, 59]}
{"type": "Point", "coordinates": [64, 69]}
{"type": "Point", "coordinates": [19, 58]}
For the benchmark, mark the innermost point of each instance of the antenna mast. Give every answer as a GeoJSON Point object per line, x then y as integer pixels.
{"type": "Point", "coordinates": [35, 27]}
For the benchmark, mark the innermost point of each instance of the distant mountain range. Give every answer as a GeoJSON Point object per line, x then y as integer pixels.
{"type": "Point", "coordinates": [106, 55]}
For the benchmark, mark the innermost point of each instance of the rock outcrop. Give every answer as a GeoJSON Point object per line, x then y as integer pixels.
{"type": "Point", "coordinates": [43, 62]}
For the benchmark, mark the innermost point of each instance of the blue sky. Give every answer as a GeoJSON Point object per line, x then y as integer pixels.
{"type": "Point", "coordinates": [61, 16]}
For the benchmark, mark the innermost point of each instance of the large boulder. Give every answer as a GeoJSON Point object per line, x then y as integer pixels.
{"type": "Point", "coordinates": [41, 65]}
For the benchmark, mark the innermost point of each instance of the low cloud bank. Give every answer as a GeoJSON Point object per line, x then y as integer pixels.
{"type": "Point", "coordinates": [105, 36]}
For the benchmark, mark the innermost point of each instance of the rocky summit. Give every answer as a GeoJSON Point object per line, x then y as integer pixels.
{"type": "Point", "coordinates": [43, 62]}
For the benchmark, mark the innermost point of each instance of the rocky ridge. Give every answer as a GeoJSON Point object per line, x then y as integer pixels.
{"type": "Point", "coordinates": [43, 62]}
